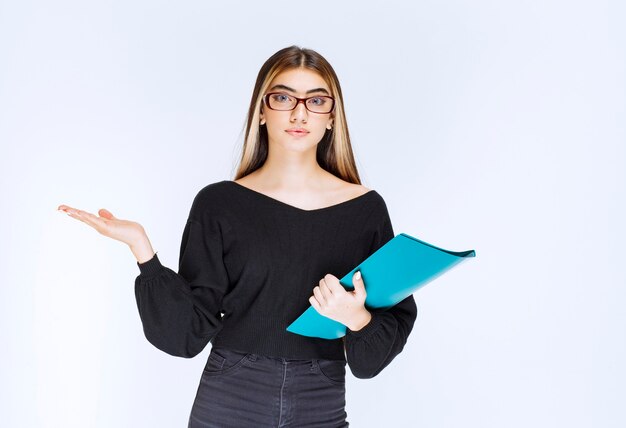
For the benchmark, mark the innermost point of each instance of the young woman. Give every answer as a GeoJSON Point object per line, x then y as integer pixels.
{"type": "Point", "coordinates": [258, 250]}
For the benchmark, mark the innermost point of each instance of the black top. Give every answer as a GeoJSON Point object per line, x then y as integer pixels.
{"type": "Point", "coordinates": [256, 260]}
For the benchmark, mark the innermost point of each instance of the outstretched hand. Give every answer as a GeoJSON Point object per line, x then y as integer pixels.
{"type": "Point", "coordinates": [107, 224]}
{"type": "Point", "coordinates": [335, 302]}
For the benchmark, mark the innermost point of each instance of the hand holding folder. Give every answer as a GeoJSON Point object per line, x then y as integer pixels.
{"type": "Point", "coordinates": [392, 273]}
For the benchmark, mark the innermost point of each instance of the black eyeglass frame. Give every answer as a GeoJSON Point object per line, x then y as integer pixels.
{"type": "Point", "coordinates": [298, 101]}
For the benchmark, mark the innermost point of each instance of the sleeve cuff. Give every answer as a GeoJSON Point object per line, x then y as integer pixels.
{"type": "Point", "coordinates": [369, 327]}
{"type": "Point", "coordinates": [151, 267]}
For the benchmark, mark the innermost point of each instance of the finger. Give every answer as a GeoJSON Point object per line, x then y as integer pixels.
{"type": "Point", "coordinates": [313, 301]}
{"type": "Point", "coordinates": [103, 212]}
{"type": "Point", "coordinates": [359, 285]}
{"type": "Point", "coordinates": [333, 284]}
{"type": "Point", "coordinates": [66, 208]}
{"type": "Point", "coordinates": [91, 219]}
{"type": "Point", "coordinates": [325, 289]}
{"type": "Point", "coordinates": [72, 212]}
{"type": "Point", "coordinates": [88, 218]}
{"type": "Point", "coordinates": [319, 296]}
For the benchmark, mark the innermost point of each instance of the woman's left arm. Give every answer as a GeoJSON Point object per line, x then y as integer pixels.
{"type": "Point", "coordinates": [371, 349]}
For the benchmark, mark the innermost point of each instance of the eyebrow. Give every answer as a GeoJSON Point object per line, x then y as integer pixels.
{"type": "Point", "coordinates": [287, 88]}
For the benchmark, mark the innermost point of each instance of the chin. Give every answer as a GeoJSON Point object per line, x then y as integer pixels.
{"type": "Point", "coordinates": [301, 145]}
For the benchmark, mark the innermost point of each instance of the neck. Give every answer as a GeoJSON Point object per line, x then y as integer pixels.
{"type": "Point", "coordinates": [291, 170]}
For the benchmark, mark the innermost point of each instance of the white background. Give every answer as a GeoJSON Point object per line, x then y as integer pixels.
{"type": "Point", "coordinates": [497, 126]}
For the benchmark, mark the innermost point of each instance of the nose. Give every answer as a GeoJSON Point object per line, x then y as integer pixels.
{"type": "Point", "coordinates": [300, 112]}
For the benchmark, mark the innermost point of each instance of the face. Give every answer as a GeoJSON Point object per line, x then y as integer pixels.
{"type": "Point", "coordinates": [301, 83]}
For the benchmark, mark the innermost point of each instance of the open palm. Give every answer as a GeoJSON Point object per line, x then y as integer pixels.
{"type": "Point", "coordinates": [107, 224]}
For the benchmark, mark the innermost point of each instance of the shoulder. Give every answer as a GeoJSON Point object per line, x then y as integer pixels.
{"type": "Point", "coordinates": [209, 199]}
{"type": "Point", "coordinates": [213, 189]}
{"type": "Point", "coordinates": [377, 206]}
{"type": "Point", "coordinates": [344, 189]}
{"type": "Point", "coordinates": [375, 197]}
{"type": "Point", "coordinates": [371, 201]}
{"type": "Point", "coordinates": [359, 189]}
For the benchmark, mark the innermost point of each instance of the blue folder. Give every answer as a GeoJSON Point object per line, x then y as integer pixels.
{"type": "Point", "coordinates": [390, 274]}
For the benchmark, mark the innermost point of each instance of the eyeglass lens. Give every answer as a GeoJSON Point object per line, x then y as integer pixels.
{"type": "Point", "coordinates": [318, 104]}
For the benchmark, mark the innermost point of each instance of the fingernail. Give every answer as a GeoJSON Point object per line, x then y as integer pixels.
{"type": "Point", "coordinates": [357, 275]}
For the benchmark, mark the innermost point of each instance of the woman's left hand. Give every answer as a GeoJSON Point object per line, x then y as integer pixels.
{"type": "Point", "coordinates": [335, 302]}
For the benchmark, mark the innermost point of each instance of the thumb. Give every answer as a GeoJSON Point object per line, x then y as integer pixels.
{"type": "Point", "coordinates": [106, 214]}
{"type": "Point", "coordinates": [357, 281]}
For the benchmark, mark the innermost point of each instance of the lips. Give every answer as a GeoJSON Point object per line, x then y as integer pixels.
{"type": "Point", "coordinates": [297, 132]}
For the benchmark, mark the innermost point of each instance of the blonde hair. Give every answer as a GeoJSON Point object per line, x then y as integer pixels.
{"type": "Point", "coordinates": [334, 151]}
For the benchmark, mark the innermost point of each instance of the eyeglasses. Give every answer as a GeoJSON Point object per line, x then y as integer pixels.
{"type": "Point", "coordinates": [284, 102]}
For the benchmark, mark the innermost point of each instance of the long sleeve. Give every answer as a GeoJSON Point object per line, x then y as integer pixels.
{"type": "Point", "coordinates": [372, 348]}
{"type": "Point", "coordinates": [180, 311]}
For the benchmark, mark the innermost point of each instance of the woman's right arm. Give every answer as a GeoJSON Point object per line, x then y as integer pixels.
{"type": "Point", "coordinates": [180, 312]}
{"type": "Point", "coordinates": [142, 249]}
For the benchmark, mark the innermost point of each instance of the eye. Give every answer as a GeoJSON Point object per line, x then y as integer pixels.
{"type": "Point", "coordinates": [281, 98]}
{"type": "Point", "coordinates": [318, 101]}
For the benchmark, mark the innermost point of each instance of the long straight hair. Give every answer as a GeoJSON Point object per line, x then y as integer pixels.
{"type": "Point", "coordinates": [334, 151]}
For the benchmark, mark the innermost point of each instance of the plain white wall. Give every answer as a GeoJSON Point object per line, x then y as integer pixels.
{"type": "Point", "coordinates": [494, 126]}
